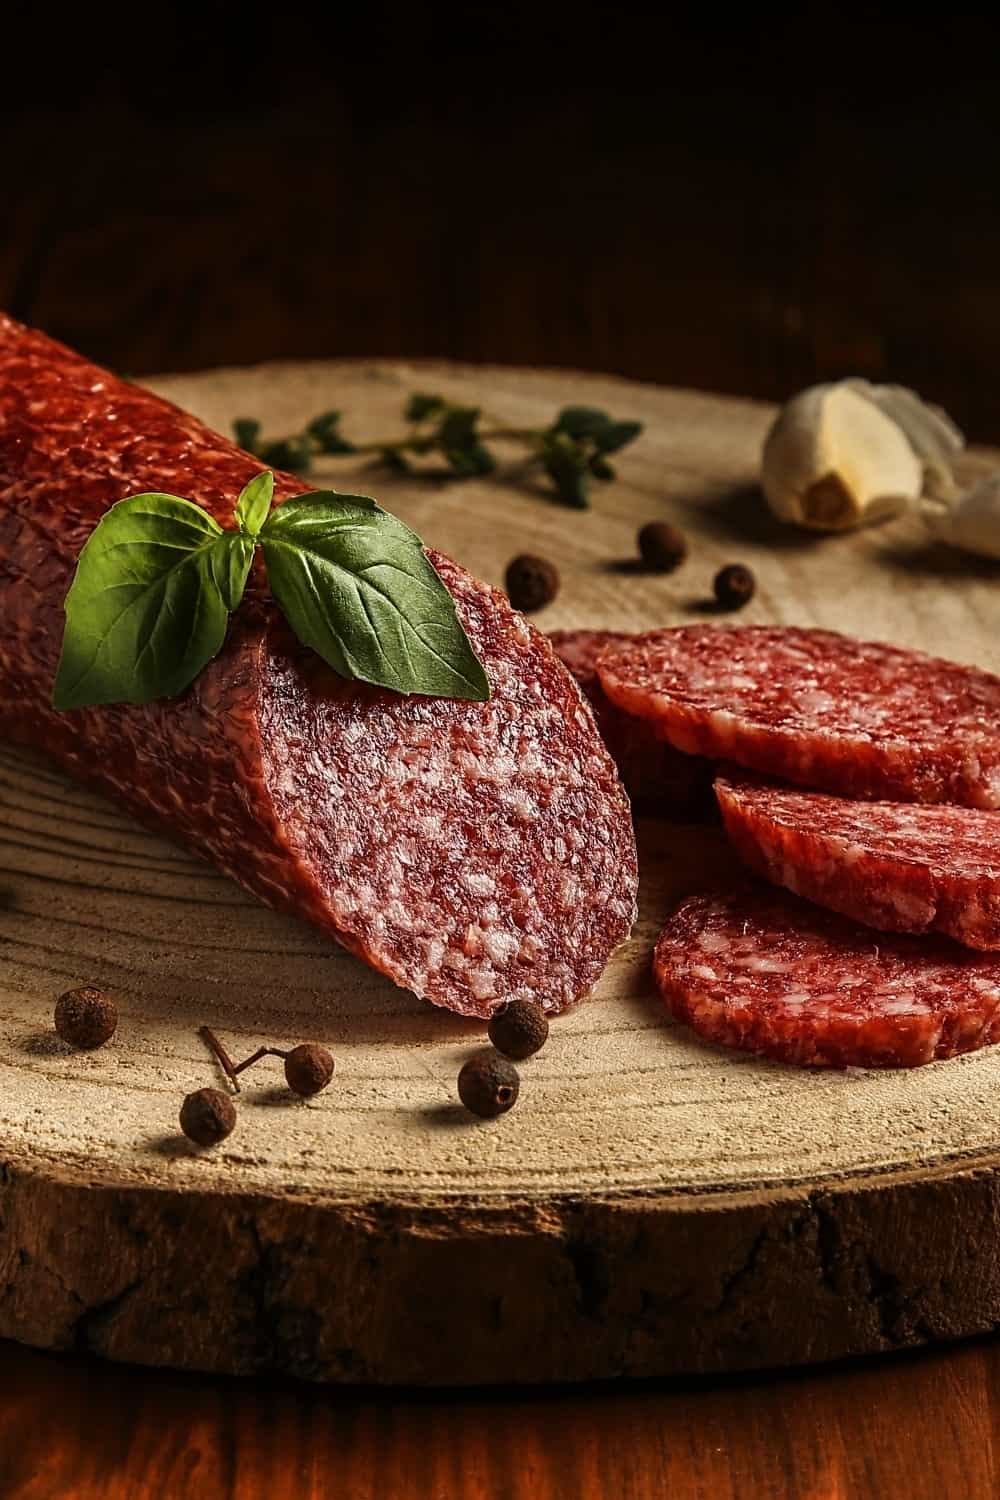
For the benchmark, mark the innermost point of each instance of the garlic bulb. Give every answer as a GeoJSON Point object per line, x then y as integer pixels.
{"type": "Point", "coordinates": [972, 522]}
{"type": "Point", "coordinates": [933, 436]}
{"type": "Point", "coordinates": [833, 460]}
{"type": "Point", "coordinates": [850, 453]}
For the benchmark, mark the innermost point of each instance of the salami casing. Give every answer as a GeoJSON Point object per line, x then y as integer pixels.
{"type": "Point", "coordinates": [762, 970]}
{"type": "Point", "coordinates": [659, 779]}
{"type": "Point", "coordinates": [472, 852]}
{"type": "Point", "coordinates": [818, 709]}
{"type": "Point", "coordinates": [893, 865]}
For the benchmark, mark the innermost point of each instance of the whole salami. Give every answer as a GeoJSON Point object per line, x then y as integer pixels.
{"type": "Point", "coordinates": [764, 971]}
{"type": "Point", "coordinates": [473, 852]}
{"type": "Point", "coordinates": [659, 779]}
{"type": "Point", "coordinates": [893, 865]}
{"type": "Point", "coordinates": [817, 708]}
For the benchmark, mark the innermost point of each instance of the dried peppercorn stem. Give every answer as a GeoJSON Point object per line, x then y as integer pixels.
{"type": "Point", "coordinates": [248, 1062]}
{"type": "Point", "coordinates": [226, 1063]}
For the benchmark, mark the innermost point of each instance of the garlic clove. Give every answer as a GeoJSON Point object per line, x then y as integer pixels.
{"type": "Point", "coordinates": [933, 436]}
{"type": "Point", "coordinates": [834, 460]}
{"type": "Point", "coordinates": [972, 522]}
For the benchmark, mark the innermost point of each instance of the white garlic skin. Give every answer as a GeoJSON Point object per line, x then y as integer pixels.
{"type": "Point", "coordinates": [932, 434]}
{"type": "Point", "coordinates": [834, 460]}
{"type": "Point", "coordinates": [972, 522]}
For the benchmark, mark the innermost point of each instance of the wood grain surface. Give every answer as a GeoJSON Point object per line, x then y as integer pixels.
{"type": "Point", "coordinates": [925, 1426]}
{"type": "Point", "coordinates": [653, 1205]}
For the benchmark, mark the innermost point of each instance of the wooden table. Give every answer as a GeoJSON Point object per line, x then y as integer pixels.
{"type": "Point", "coordinates": [922, 1426]}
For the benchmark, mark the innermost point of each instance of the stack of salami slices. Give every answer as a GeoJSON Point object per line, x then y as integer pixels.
{"type": "Point", "coordinates": [659, 779]}
{"type": "Point", "coordinates": [862, 782]}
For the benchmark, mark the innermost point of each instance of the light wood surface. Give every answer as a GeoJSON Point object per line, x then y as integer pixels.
{"type": "Point", "coordinates": [652, 1205]}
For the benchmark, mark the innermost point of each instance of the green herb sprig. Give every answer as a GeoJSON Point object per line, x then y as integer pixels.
{"type": "Point", "coordinates": [158, 578]}
{"type": "Point", "coordinates": [573, 450]}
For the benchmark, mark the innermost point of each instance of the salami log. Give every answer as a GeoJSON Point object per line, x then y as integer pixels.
{"type": "Point", "coordinates": [893, 865]}
{"type": "Point", "coordinates": [473, 852]}
{"type": "Point", "coordinates": [659, 779]}
{"type": "Point", "coordinates": [818, 709]}
{"type": "Point", "coordinates": [762, 970]}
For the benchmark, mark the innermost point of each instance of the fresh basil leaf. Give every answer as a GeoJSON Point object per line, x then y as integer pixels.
{"type": "Point", "coordinates": [145, 612]}
{"type": "Point", "coordinates": [229, 560]}
{"type": "Point", "coordinates": [254, 503]}
{"type": "Point", "coordinates": [355, 585]}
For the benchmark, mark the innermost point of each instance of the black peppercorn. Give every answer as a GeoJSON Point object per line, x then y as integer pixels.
{"type": "Point", "coordinates": [207, 1116]}
{"type": "Point", "coordinates": [734, 586]}
{"type": "Point", "coordinates": [661, 546]}
{"type": "Point", "coordinates": [86, 1018]}
{"type": "Point", "coordinates": [308, 1068]}
{"type": "Point", "coordinates": [531, 582]}
{"type": "Point", "coordinates": [488, 1085]}
{"type": "Point", "coordinates": [518, 1029]}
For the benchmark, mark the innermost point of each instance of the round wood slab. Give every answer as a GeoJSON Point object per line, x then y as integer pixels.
{"type": "Point", "coordinates": [653, 1205]}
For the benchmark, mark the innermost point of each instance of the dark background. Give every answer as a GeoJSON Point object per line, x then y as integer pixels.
{"type": "Point", "coordinates": [745, 199]}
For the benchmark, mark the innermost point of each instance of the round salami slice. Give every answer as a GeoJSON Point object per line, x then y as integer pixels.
{"type": "Point", "coordinates": [659, 779]}
{"type": "Point", "coordinates": [817, 708]}
{"type": "Point", "coordinates": [762, 970]}
{"type": "Point", "coordinates": [473, 852]}
{"type": "Point", "coordinates": [893, 865]}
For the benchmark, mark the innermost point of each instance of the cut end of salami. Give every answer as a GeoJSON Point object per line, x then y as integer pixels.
{"type": "Point", "coordinates": [895, 866]}
{"type": "Point", "coordinates": [763, 971]}
{"type": "Point", "coordinates": [816, 708]}
{"type": "Point", "coordinates": [659, 779]}
{"type": "Point", "coordinates": [473, 852]}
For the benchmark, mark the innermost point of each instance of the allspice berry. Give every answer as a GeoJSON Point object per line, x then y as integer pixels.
{"type": "Point", "coordinates": [207, 1116]}
{"type": "Point", "coordinates": [86, 1018]}
{"type": "Point", "coordinates": [661, 546]}
{"type": "Point", "coordinates": [518, 1029]}
{"type": "Point", "coordinates": [532, 582]}
{"type": "Point", "coordinates": [488, 1085]}
{"type": "Point", "coordinates": [734, 586]}
{"type": "Point", "coordinates": [308, 1069]}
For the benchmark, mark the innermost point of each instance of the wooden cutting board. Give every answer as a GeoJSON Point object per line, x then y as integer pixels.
{"type": "Point", "coordinates": [653, 1205]}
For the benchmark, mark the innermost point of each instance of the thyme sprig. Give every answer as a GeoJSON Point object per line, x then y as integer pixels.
{"type": "Point", "coordinates": [573, 451]}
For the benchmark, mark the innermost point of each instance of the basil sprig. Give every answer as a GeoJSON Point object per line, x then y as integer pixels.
{"type": "Point", "coordinates": [158, 579]}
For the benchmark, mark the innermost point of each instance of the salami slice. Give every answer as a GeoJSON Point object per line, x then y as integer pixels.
{"type": "Point", "coordinates": [817, 708]}
{"type": "Point", "coordinates": [893, 865]}
{"type": "Point", "coordinates": [472, 852]}
{"type": "Point", "coordinates": [659, 779]}
{"type": "Point", "coordinates": [762, 970]}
